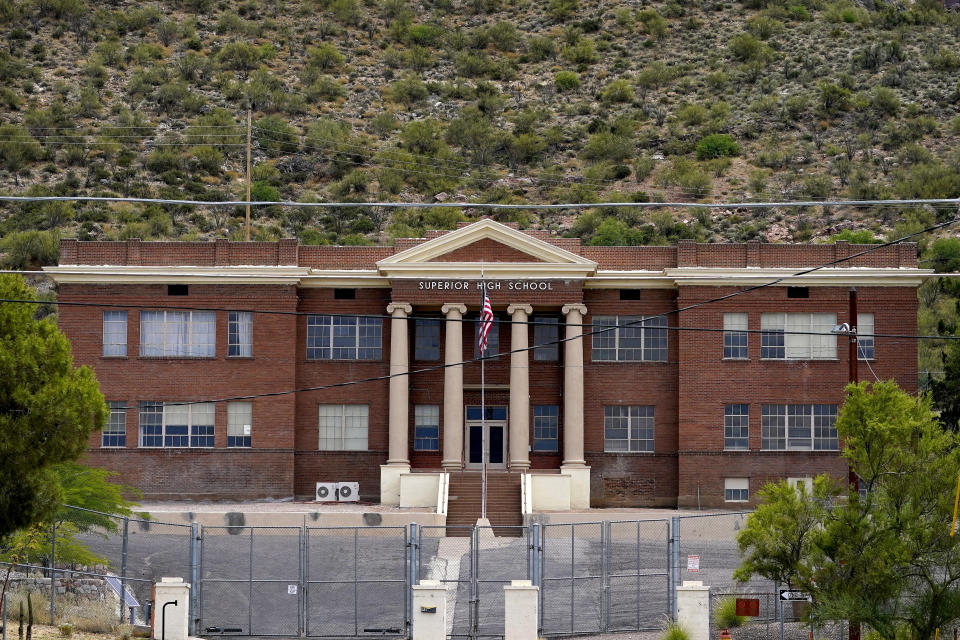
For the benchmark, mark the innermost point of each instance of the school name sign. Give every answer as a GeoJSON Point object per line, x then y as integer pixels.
{"type": "Point", "coordinates": [491, 285]}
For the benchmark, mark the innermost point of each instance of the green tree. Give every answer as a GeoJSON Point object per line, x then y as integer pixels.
{"type": "Point", "coordinates": [17, 149]}
{"type": "Point", "coordinates": [883, 557]}
{"type": "Point", "coordinates": [48, 409]}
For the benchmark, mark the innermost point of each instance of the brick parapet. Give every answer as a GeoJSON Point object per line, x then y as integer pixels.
{"type": "Point", "coordinates": [285, 252]}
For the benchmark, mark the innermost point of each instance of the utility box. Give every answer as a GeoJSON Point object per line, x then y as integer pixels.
{"type": "Point", "coordinates": [173, 596]}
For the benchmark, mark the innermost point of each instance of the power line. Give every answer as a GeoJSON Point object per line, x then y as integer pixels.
{"type": "Point", "coordinates": [487, 205]}
{"type": "Point", "coordinates": [635, 324]}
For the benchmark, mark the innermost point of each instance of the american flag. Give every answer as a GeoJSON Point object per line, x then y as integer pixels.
{"type": "Point", "coordinates": [486, 322]}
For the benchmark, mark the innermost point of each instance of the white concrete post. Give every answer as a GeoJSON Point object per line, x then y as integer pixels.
{"type": "Point", "coordinates": [429, 611]}
{"type": "Point", "coordinates": [520, 613]}
{"type": "Point", "coordinates": [170, 590]}
{"type": "Point", "coordinates": [453, 388]}
{"type": "Point", "coordinates": [693, 609]}
{"type": "Point", "coordinates": [574, 464]}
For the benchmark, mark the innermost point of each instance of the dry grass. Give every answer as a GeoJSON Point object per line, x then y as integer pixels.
{"type": "Point", "coordinates": [86, 615]}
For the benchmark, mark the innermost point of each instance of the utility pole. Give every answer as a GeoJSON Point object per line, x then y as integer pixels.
{"type": "Point", "coordinates": [853, 628]}
{"type": "Point", "coordinates": [249, 129]}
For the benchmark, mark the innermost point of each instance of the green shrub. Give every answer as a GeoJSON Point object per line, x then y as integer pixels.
{"type": "Point", "coordinates": [560, 10]}
{"type": "Point", "coordinates": [427, 35]}
{"type": "Point", "coordinates": [583, 52]}
{"type": "Point", "coordinates": [324, 57]}
{"type": "Point", "coordinates": [674, 631]}
{"type": "Point", "coordinates": [745, 46]}
{"type": "Point", "coordinates": [833, 98]}
{"type": "Point", "coordinates": [717, 145]}
{"type": "Point", "coordinates": [617, 91]}
{"type": "Point", "coordinates": [207, 158]}
{"type": "Point", "coordinates": [541, 47]}
{"type": "Point", "coordinates": [324, 88]}
{"type": "Point", "coordinates": [408, 91]}
{"type": "Point", "coordinates": [608, 146]}
{"type": "Point", "coordinates": [263, 192]}
{"type": "Point", "coordinates": [653, 23]}
{"type": "Point", "coordinates": [725, 614]}
{"type": "Point", "coordinates": [275, 135]}
{"type": "Point", "coordinates": [28, 249]}
{"type": "Point", "coordinates": [239, 56]}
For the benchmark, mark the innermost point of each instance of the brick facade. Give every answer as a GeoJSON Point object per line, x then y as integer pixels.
{"type": "Point", "coordinates": [688, 390]}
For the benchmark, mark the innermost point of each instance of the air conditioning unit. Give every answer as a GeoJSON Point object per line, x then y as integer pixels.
{"type": "Point", "coordinates": [348, 491]}
{"type": "Point", "coordinates": [326, 491]}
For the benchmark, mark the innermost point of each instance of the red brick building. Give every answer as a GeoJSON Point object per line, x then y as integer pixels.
{"type": "Point", "coordinates": [657, 404]}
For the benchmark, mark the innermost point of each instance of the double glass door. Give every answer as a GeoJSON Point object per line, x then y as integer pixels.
{"type": "Point", "coordinates": [486, 434]}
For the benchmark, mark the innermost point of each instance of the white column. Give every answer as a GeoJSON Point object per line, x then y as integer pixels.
{"type": "Point", "coordinates": [453, 387]}
{"type": "Point", "coordinates": [519, 387]}
{"type": "Point", "coordinates": [574, 463]}
{"type": "Point", "coordinates": [399, 418]}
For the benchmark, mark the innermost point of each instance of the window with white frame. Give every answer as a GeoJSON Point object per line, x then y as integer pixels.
{"type": "Point", "coordinates": [343, 427]}
{"type": "Point", "coordinates": [630, 338]}
{"type": "Point", "coordinates": [114, 333]}
{"type": "Point", "coordinates": [628, 428]}
{"type": "Point", "coordinates": [426, 427]}
{"type": "Point", "coordinates": [736, 489]}
{"type": "Point", "coordinates": [736, 426]}
{"type": "Point", "coordinates": [114, 433]}
{"type": "Point", "coordinates": [344, 338]}
{"type": "Point", "coordinates": [801, 427]}
{"type": "Point", "coordinates": [240, 334]}
{"type": "Point", "coordinates": [239, 424]}
{"type": "Point", "coordinates": [190, 334]}
{"type": "Point", "coordinates": [546, 419]}
{"type": "Point", "coordinates": [735, 336]}
{"type": "Point", "coordinates": [865, 344]}
{"type": "Point", "coordinates": [176, 425]}
{"type": "Point", "coordinates": [546, 333]}
{"type": "Point", "coordinates": [798, 336]}
{"type": "Point", "coordinates": [426, 342]}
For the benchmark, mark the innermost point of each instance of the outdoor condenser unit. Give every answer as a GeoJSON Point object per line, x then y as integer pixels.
{"type": "Point", "coordinates": [326, 491]}
{"type": "Point", "coordinates": [348, 491]}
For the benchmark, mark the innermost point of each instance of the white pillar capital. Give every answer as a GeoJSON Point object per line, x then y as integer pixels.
{"type": "Point", "coordinates": [571, 308]}
{"type": "Point", "coordinates": [399, 309]}
{"type": "Point", "coordinates": [520, 308]}
{"type": "Point", "coordinates": [453, 308]}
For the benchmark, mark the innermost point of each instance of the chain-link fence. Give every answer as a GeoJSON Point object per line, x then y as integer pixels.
{"type": "Point", "coordinates": [96, 571]}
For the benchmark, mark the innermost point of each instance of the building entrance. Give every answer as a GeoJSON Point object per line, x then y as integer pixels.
{"type": "Point", "coordinates": [490, 429]}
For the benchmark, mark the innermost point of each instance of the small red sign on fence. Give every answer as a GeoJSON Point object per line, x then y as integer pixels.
{"type": "Point", "coordinates": [748, 607]}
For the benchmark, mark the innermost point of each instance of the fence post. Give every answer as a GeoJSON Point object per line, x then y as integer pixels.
{"type": "Point", "coordinates": [3, 613]}
{"type": "Point", "coordinates": [123, 569]}
{"type": "Point", "coordinates": [414, 572]}
{"type": "Point", "coordinates": [605, 577]}
{"type": "Point", "coordinates": [53, 566]}
{"type": "Point", "coordinates": [535, 554]}
{"type": "Point", "coordinates": [675, 563]}
{"type": "Point", "coordinates": [194, 574]}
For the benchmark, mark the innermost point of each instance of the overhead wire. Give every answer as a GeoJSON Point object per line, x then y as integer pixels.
{"type": "Point", "coordinates": [636, 324]}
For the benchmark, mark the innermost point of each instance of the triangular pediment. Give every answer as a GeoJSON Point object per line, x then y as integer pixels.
{"type": "Point", "coordinates": [486, 246]}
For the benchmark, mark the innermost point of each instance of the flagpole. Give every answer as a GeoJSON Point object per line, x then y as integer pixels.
{"type": "Point", "coordinates": [483, 407]}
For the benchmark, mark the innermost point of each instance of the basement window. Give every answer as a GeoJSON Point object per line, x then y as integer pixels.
{"type": "Point", "coordinates": [798, 292]}
{"type": "Point", "coordinates": [177, 289]}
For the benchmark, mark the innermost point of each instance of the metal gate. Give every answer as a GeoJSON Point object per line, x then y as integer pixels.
{"type": "Point", "coordinates": [476, 563]}
{"type": "Point", "coordinates": [604, 576]}
{"type": "Point", "coordinates": [356, 581]}
{"type": "Point", "coordinates": [250, 581]}
{"type": "Point", "coordinates": [303, 581]}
